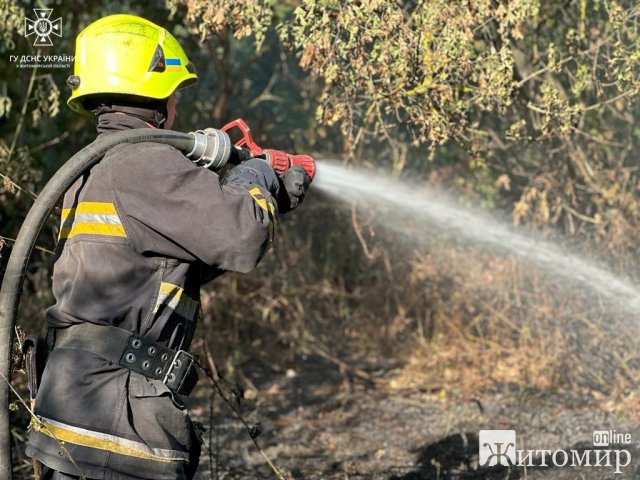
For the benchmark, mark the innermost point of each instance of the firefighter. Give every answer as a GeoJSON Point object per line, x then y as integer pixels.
{"type": "Point", "coordinates": [140, 233]}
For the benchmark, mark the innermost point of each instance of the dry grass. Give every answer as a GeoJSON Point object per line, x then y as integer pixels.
{"type": "Point", "coordinates": [457, 319]}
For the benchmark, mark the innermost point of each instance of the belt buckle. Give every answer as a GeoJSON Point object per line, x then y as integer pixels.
{"type": "Point", "coordinates": [178, 369]}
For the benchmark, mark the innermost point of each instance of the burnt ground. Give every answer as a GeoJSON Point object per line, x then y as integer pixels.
{"type": "Point", "coordinates": [318, 423]}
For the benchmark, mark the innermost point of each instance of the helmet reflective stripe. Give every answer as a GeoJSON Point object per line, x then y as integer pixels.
{"type": "Point", "coordinates": [127, 55]}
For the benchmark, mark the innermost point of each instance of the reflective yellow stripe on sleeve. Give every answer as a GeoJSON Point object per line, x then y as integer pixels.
{"type": "Point", "coordinates": [267, 206]}
{"type": "Point", "coordinates": [173, 297]}
{"type": "Point", "coordinates": [262, 202]}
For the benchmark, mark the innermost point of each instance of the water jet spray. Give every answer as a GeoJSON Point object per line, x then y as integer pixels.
{"type": "Point", "coordinates": [478, 227]}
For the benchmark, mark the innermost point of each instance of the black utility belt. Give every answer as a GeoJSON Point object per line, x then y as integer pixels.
{"type": "Point", "coordinates": [177, 369]}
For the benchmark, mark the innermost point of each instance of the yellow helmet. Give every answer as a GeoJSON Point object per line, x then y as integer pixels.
{"type": "Point", "coordinates": [127, 55]}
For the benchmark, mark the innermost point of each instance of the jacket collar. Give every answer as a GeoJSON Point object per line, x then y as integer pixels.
{"type": "Point", "coordinates": [112, 122]}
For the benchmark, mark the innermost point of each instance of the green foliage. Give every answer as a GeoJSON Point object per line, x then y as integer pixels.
{"type": "Point", "coordinates": [424, 65]}
{"type": "Point", "coordinates": [244, 17]}
{"type": "Point", "coordinates": [12, 21]}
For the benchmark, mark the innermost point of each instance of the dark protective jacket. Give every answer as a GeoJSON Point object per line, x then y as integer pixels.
{"type": "Point", "coordinates": [141, 231]}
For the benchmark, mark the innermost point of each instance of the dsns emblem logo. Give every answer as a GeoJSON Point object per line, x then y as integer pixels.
{"type": "Point", "coordinates": [42, 27]}
{"type": "Point", "coordinates": [497, 447]}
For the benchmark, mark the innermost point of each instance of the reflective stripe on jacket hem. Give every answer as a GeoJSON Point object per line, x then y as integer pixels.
{"type": "Point", "coordinates": [103, 441]}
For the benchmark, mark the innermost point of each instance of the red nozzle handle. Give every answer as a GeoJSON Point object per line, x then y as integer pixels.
{"type": "Point", "coordinates": [247, 139]}
{"type": "Point", "coordinates": [280, 161]}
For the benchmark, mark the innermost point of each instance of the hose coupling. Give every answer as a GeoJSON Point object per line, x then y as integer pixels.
{"type": "Point", "coordinates": [211, 148]}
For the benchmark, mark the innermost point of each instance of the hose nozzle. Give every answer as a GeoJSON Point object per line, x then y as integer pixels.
{"type": "Point", "coordinates": [279, 160]}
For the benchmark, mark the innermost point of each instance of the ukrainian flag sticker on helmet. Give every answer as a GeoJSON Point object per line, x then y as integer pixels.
{"type": "Point", "coordinates": [173, 64]}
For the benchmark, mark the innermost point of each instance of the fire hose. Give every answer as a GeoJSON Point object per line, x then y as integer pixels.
{"type": "Point", "coordinates": [210, 148]}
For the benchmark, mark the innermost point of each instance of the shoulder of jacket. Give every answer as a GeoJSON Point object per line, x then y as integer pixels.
{"type": "Point", "coordinates": [153, 148]}
{"type": "Point", "coordinates": [145, 151]}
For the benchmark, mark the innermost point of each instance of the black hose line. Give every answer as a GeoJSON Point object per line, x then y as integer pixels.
{"type": "Point", "coordinates": [17, 265]}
